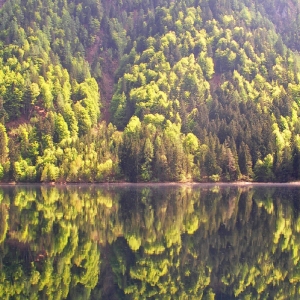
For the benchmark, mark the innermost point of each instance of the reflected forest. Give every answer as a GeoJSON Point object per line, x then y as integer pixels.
{"type": "Point", "coordinates": [149, 242]}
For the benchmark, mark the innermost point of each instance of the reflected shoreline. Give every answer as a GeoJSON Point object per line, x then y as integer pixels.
{"type": "Point", "coordinates": [156, 184]}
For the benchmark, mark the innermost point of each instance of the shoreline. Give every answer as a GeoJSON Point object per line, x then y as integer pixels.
{"type": "Point", "coordinates": [153, 184]}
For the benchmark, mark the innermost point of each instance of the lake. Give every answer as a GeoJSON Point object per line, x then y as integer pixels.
{"type": "Point", "coordinates": [149, 241]}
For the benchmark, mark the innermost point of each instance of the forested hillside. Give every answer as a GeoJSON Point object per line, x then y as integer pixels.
{"type": "Point", "coordinates": [97, 91]}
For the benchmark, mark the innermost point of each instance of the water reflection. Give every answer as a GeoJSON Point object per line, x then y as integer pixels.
{"type": "Point", "coordinates": [177, 242]}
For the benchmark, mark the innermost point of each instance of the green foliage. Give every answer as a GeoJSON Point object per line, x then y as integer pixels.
{"type": "Point", "coordinates": [61, 129]}
{"type": "Point", "coordinates": [213, 84]}
{"type": "Point", "coordinates": [263, 169]}
{"type": "Point", "coordinates": [4, 150]}
{"type": "Point", "coordinates": [61, 241]}
{"type": "Point", "coordinates": [49, 173]}
{"type": "Point", "coordinates": [24, 172]}
{"type": "Point", "coordinates": [1, 172]}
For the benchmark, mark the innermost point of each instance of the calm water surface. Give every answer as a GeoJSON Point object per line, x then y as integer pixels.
{"type": "Point", "coordinates": [149, 242]}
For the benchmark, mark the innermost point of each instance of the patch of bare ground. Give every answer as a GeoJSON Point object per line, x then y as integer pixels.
{"type": "Point", "coordinates": [16, 123]}
{"type": "Point", "coordinates": [215, 81]}
{"type": "Point", "coordinates": [90, 56]}
{"type": "Point", "coordinates": [285, 12]}
{"type": "Point", "coordinates": [108, 69]}
{"type": "Point", "coordinates": [1, 3]}
{"type": "Point", "coordinates": [36, 110]}
{"type": "Point", "coordinates": [40, 111]}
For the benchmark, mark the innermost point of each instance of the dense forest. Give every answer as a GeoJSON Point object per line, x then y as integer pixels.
{"type": "Point", "coordinates": [183, 90]}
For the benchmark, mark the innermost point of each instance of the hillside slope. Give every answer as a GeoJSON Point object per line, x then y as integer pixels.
{"type": "Point", "coordinates": [194, 90]}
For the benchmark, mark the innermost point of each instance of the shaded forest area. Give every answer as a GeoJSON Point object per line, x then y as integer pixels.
{"type": "Point", "coordinates": [97, 91]}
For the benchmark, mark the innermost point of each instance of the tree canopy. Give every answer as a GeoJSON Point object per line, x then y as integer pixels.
{"type": "Point", "coordinates": [214, 86]}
